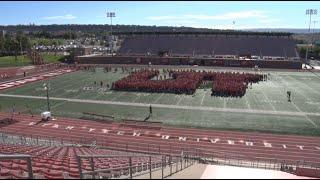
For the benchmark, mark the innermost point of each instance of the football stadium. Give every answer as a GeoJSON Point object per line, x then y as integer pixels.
{"type": "Point", "coordinates": [165, 105]}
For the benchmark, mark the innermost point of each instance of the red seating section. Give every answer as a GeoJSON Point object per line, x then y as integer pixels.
{"type": "Point", "coordinates": [209, 44]}
{"type": "Point", "coordinates": [308, 172]}
{"type": "Point", "coordinates": [60, 162]}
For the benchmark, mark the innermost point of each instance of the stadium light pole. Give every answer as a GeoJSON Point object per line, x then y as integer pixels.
{"type": "Point", "coordinates": [314, 26]}
{"type": "Point", "coordinates": [47, 89]}
{"type": "Point", "coordinates": [309, 12]}
{"type": "Point", "coordinates": [312, 38]}
{"type": "Point", "coordinates": [111, 15]}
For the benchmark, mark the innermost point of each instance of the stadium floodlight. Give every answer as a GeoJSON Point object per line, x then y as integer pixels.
{"type": "Point", "coordinates": [309, 12]}
{"type": "Point", "coordinates": [111, 15]}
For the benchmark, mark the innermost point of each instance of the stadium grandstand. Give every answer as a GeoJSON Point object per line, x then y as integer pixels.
{"type": "Point", "coordinates": [234, 48]}
{"type": "Point", "coordinates": [260, 45]}
{"type": "Point", "coordinates": [159, 102]}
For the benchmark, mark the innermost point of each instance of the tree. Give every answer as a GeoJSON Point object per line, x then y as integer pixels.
{"type": "Point", "coordinates": [9, 44]}
{"type": "Point", "coordinates": [15, 47]}
{"type": "Point", "coordinates": [102, 43]}
{"type": "Point", "coordinates": [70, 57]}
{"type": "Point", "coordinates": [302, 52]}
{"type": "Point", "coordinates": [69, 35]}
{"type": "Point", "coordinates": [92, 42]}
{"type": "Point", "coordinates": [23, 42]}
{"type": "Point", "coordinates": [1, 45]}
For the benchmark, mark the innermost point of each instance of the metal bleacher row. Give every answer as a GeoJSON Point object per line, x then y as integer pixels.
{"type": "Point", "coordinates": [209, 44]}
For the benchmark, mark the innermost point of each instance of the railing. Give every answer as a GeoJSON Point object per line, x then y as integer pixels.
{"type": "Point", "coordinates": [23, 157]}
{"type": "Point", "coordinates": [130, 170]}
{"type": "Point", "coordinates": [289, 166]}
{"type": "Point", "coordinates": [204, 155]}
{"type": "Point", "coordinates": [6, 138]}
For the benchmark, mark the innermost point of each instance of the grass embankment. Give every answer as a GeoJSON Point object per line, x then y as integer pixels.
{"type": "Point", "coordinates": [11, 61]}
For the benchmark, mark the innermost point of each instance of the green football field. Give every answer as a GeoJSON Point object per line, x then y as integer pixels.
{"type": "Point", "coordinates": [263, 108]}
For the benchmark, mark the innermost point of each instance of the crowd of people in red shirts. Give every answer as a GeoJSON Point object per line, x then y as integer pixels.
{"type": "Point", "coordinates": [187, 81]}
{"type": "Point", "coordinates": [233, 84]}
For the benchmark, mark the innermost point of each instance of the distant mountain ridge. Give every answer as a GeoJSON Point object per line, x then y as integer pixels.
{"type": "Point", "coordinates": [290, 30]}
{"type": "Point", "coordinates": [134, 28]}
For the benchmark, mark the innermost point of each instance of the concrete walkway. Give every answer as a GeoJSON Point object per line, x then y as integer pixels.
{"type": "Point", "coordinates": [193, 172]}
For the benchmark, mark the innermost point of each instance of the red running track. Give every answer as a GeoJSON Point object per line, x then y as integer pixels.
{"type": "Point", "coordinates": [34, 78]}
{"type": "Point", "coordinates": [251, 146]}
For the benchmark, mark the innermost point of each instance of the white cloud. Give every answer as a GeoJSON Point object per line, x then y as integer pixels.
{"type": "Point", "coordinates": [237, 27]}
{"type": "Point", "coordinates": [164, 18]}
{"type": "Point", "coordinates": [226, 16]}
{"type": "Point", "coordinates": [65, 17]}
{"type": "Point", "coordinates": [269, 20]}
{"type": "Point", "coordinates": [233, 15]}
{"type": "Point", "coordinates": [260, 19]}
{"type": "Point", "coordinates": [179, 22]}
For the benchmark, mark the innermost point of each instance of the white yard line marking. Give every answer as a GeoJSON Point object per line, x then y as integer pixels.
{"type": "Point", "coordinates": [224, 102]}
{"type": "Point", "coordinates": [298, 107]}
{"type": "Point", "coordinates": [63, 102]}
{"type": "Point", "coordinates": [298, 90]}
{"type": "Point", "coordinates": [117, 96]}
{"type": "Point", "coordinates": [136, 98]}
{"type": "Point", "coordinates": [273, 85]}
{"type": "Point", "coordinates": [158, 98]}
{"type": "Point", "coordinates": [247, 102]}
{"type": "Point", "coordinates": [203, 98]}
{"type": "Point", "coordinates": [305, 116]}
{"type": "Point", "coordinates": [274, 109]}
{"type": "Point", "coordinates": [179, 100]}
{"type": "Point", "coordinates": [58, 104]}
{"type": "Point", "coordinates": [286, 83]}
{"type": "Point", "coordinates": [305, 85]}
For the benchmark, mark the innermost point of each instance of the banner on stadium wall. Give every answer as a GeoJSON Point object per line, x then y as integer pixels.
{"type": "Point", "coordinates": [191, 61]}
{"type": "Point", "coordinates": [219, 62]}
{"type": "Point", "coordinates": [165, 61]}
{"type": "Point", "coordinates": [234, 63]}
{"type": "Point", "coordinates": [247, 63]}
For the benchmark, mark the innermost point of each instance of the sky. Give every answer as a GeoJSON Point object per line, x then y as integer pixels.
{"type": "Point", "coordinates": [206, 14]}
